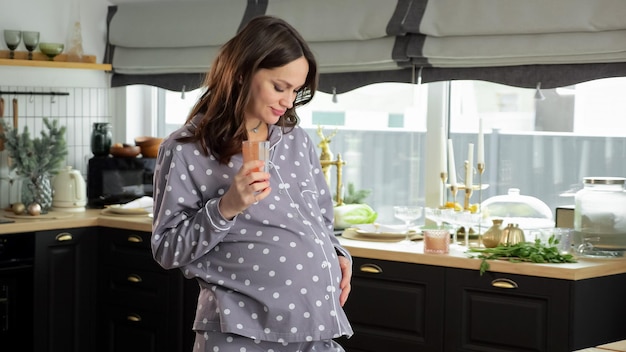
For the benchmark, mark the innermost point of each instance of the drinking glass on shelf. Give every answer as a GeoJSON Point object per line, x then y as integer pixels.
{"type": "Point", "coordinates": [12, 38]}
{"type": "Point", "coordinates": [31, 40]}
{"type": "Point", "coordinates": [408, 214]}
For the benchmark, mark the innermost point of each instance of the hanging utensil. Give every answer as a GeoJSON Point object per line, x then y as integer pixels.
{"type": "Point", "coordinates": [15, 113]}
{"type": "Point", "coordinates": [1, 116]}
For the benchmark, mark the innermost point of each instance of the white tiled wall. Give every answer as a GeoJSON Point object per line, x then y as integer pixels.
{"type": "Point", "coordinates": [77, 111]}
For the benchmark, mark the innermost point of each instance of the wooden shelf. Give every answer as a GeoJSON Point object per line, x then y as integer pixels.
{"type": "Point", "coordinates": [87, 62]}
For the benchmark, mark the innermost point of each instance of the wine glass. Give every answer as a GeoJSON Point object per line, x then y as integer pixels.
{"type": "Point", "coordinates": [408, 214]}
{"type": "Point", "coordinates": [12, 38]}
{"type": "Point", "coordinates": [31, 40]}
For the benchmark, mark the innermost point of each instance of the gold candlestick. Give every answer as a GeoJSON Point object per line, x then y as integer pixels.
{"type": "Point", "coordinates": [481, 169]}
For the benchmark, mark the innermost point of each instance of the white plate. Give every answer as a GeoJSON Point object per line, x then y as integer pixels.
{"type": "Point", "coordinates": [377, 230]}
{"type": "Point", "coordinates": [117, 209]}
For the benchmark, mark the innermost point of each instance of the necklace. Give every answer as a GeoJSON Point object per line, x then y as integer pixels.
{"type": "Point", "coordinates": [256, 129]}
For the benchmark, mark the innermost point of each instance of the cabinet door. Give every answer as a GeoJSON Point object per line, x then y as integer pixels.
{"type": "Point", "coordinates": [395, 307]}
{"type": "Point", "coordinates": [505, 312]}
{"type": "Point", "coordinates": [145, 307]}
{"type": "Point", "coordinates": [65, 290]}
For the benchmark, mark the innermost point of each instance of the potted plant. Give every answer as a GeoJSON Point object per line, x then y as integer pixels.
{"type": "Point", "coordinates": [36, 160]}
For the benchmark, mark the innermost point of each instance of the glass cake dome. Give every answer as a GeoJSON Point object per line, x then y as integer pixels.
{"type": "Point", "coordinates": [513, 208]}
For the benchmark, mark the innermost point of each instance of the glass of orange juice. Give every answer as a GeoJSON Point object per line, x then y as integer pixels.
{"type": "Point", "coordinates": [256, 150]}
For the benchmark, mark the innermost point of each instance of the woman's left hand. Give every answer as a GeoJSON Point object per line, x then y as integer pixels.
{"type": "Point", "coordinates": [344, 285]}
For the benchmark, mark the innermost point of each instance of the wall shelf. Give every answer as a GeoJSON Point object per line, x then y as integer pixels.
{"type": "Point", "coordinates": [87, 62]}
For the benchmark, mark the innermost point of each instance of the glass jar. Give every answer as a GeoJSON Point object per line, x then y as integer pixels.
{"type": "Point", "coordinates": [101, 138]}
{"type": "Point", "coordinates": [600, 218]}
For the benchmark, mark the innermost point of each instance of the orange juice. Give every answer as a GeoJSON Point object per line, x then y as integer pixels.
{"type": "Point", "coordinates": [256, 150]}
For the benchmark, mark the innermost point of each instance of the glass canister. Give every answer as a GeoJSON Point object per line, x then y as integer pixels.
{"type": "Point", "coordinates": [600, 218]}
{"type": "Point", "coordinates": [101, 138]}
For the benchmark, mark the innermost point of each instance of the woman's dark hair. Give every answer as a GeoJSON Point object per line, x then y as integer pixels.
{"type": "Point", "coordinates": [266, 42]}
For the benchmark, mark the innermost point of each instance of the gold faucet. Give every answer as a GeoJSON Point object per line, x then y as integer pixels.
{"type": "Point", "coordinates": [326, 160]}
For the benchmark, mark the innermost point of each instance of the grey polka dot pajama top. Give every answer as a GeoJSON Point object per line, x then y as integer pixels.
{"type": "Point", "coordinates": [272, 272]}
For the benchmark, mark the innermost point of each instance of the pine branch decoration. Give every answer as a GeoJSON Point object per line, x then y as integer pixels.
{"type": "Point", "coordinates": [34, 157]}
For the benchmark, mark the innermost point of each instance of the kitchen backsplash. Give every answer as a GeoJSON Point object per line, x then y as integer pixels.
{"type": "Point", "coordinates": [77, 111]}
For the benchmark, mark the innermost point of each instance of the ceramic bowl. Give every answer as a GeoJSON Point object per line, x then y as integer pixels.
{"type": "Point", "coordinates": [51, 49]}
{"type": "Point", "coordinates": [125, 151]}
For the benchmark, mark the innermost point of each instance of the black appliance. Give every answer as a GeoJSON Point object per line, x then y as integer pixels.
{"type": "Point", "coordinates": [16, 290]}
{"type": "Point", "coordinates": [118, 180]}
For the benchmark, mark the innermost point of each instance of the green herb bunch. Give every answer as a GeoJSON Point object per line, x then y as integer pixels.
{"type": "Point", "coordinates": [523, 252]}
{"type": "Point", "coordinates": [34, 157]}
{"type": "Point", "coordinates": [355, 197]}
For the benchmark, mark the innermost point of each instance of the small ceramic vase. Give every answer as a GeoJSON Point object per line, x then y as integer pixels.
{"type": "Point", "coordinates": [491, 237]}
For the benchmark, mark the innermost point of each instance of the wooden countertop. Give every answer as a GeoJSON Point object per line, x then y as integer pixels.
{"type": "Point", "coordinates": [63, 220]}
{"type": "Point", "coordinates": [457, 258]}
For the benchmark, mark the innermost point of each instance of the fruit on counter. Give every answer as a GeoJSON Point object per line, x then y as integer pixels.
{"type": "Point", "coordinates": [347, 215]}
{"type": "Point", "coordinates": [34, 209]}
{"type": "Point", "coordinates": [473, 208]}
{"type": "Point", "coordinates": [18, 208]}
{"type": "Point", "coordinates": [453, 205]}
{"type": "Point", "coordinates": [118, 145]}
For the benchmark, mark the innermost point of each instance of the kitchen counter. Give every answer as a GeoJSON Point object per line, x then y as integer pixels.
{"type": "Point", "coordinates": [64, 220]}
{"type": "Point", "coordinates": [457, 258]}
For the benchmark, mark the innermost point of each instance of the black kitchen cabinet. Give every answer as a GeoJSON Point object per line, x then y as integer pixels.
{"type": "Point", "coordinates": [143, 306]}
{"type": "Point", "coordinates": [507, 312]}
{"type": "Point", "coordinates": [65, 294]}
{"type": "Point", "coordinates": [395, 307]}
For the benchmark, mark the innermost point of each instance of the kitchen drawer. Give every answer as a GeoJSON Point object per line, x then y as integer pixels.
{"type": "Point", "coordinates": [506, 312]}
{"type": "Point", "coordinates": [395, 306]}
{"type": "Point", "coordinates": [136, 329]}
{"type": "Point", "coordinates": [128, 248]}
{"type": "Point", "coordinates": [142, 288]}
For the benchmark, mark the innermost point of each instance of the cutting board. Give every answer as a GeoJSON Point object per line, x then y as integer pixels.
{"type": "Point", "coordinates": [48, 216]}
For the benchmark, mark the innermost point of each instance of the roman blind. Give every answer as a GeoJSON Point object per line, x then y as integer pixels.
{"type": "Point", "coordinates": [171, 44]}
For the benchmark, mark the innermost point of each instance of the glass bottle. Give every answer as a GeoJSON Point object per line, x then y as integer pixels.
{"type": "Point", "coordinates": [101, 138]}
{"type": "Point", "coordinates": [600, 218]}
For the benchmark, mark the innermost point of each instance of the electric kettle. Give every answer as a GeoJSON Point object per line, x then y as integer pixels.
{"type": "Point", "coordinates": [70, 190]}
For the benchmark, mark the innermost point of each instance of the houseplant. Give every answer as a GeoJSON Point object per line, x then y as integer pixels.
{"type": "Point", "coordinates": [36, 160]}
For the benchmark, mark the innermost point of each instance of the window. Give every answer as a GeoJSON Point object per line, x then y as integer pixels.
{"type": "Point", "coordinates": [542, 142]}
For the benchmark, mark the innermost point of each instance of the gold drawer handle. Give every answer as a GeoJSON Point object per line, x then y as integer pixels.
{"type": "Point", "coordinates": [134, 278]}
{"type": "Point", "coordinates": [504, 283]}
{"type": "Point", "coordinates": [134, 317]}
{"type": "Point", "coordinates": [371, 268]}
{"type": "Point", "coordinates": [63, 237]}
{"type": "Point", "coordinates": [135, 239]}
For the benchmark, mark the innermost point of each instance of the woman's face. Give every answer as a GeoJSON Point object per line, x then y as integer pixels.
{"type": "Point", "coordinates": [273, 91]}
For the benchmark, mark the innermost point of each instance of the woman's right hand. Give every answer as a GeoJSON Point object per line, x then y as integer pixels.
{"type": "Point", "coordinates": [249, 186]}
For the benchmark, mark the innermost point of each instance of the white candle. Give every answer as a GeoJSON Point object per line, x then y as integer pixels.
{"type": "Point", "coordinates": [481, 144]}
{"type": "Point", "coordinates": [451, 168]}
{"type": "Point", "coordinates": [444, 162]}
{"type": "Point", "coordinates": [470, 167]}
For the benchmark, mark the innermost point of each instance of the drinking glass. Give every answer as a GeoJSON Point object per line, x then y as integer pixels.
{"type": "Point", "coordinates": [12, 38]}
{"type": "Point", "coordinates": [256, 150]}
{"type": "Point", "coordinates": [408, 214]}
{"type": "Point", "coordinates": [31, 40]}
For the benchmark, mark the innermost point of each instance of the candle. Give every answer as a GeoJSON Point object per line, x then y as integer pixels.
{"type": "Point", "coordinates": [481, 144]}
{"type": "Point", "coordinates": [451, 168]}
{"type": "Point", "coordinates": [470, 166]}
{"type": "Point", "coordinates": [444, 162]}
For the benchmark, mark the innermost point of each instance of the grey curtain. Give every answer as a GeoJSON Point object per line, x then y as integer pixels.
{"type": "Point", "coordinates": [358, 42]}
